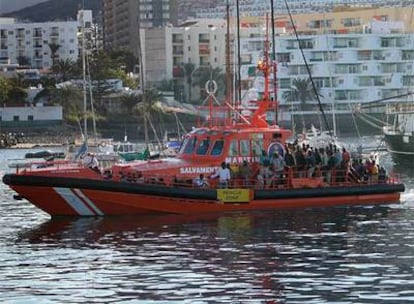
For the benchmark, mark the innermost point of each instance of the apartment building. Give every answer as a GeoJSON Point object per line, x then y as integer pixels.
{"type": "Point", "coordinates": [349, 70]}
{"type": "Point", "coordinates": [166, 50]}
{"type": "Point", "coordinates": [31, 43]}
{"type": "Point", "coordinates": [259, 7]}
{"type": "Point", "coordinates": [38, 45]}
{"type": "Point", "coordinates": [123, 18]}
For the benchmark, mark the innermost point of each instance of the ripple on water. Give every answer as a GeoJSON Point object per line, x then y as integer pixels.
{"type": "Point", "coordinates": [328, 255]}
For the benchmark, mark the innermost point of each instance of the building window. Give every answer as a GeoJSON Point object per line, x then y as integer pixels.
{"type": "Point", "coordinates": [347, 22]}
{"type": "Point", "coordinates": [30, 117]}
{"type": "Point", "coordinates": [15, 118]}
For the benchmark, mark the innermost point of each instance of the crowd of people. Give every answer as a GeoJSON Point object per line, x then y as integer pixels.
{"type": "Point", "coordinates": [331, 164]}
{"type": "Point", "coordinates": [8, 140]}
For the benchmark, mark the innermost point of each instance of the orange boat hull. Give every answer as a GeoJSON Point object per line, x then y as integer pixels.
{"type": "Point", "coordinates": [76, 202]}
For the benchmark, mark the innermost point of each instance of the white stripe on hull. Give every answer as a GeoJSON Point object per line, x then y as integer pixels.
{"type": "Point", "coordinates": [88, 201]}
{"type": "Point", "coordinates": [74, 201]}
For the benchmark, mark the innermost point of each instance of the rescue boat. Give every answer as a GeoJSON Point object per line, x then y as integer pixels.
{"type": "Point", "coordinates": [232, 135]}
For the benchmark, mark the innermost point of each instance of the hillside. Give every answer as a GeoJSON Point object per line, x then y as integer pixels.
{"type": "Point", "coordinates": [53, 10]}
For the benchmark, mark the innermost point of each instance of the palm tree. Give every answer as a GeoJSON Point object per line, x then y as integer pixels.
{"type": "Point", "coordinates": [208, 73]}
{"type": "Point", "coordinates": [71, 100]}
{"type": "Point", "coordinates": [17, 92]}
{"type": "Point", "coordinates": [189, 69]}
{"type": "Point", "coordinates": [64, 68]}
{"type": "Point", "coordinates": [147, 104]}
{"type": "Point", "coordinates": [54, 47]}
{"type": "Point", "coordinates": [302, 90]}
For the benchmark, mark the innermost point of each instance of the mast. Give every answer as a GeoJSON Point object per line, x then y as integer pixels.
{"type": "Point", "coordinates": [229, 80]}
{"type": "Point", "coordinates": [272, 12]}
{"type": "Point", "coordinates": [143, 84]}
{"type": "Point", "coordinates": [264, 67]}
{"type": "Point", "coordinates": [85, 108]}
{"type": "Point", "coordinates": [238, 99]}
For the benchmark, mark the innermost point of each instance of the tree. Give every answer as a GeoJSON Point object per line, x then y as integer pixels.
{"type": "Point", "coordinates": [166, 85]}
{"type": "Point", "coordinates": [17, 93]}
{"type": "Point", "coordinates": [4, 90]}
{"type": "Point", "coordinates": [203, 75]}
{"type": "Point", "coordinates": [54, 47]}
{"type": "Point", "coordinates": [148, 104]}
{"type": "Point", "coordinates": [303, 91]}
{"type": "Point", "coordinates": [64, 69]}
{"type": "Point", "coordinates": [71, 100]}
{"type": "Point", "coordinates": [189, 69]}
{"type": "Point", "coordinates": [125, 59]}
{"type": "Point", "coordinates": [129, 101]}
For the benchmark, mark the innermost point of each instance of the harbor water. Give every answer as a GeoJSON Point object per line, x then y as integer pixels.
{"type": "Point", "coordinates": [318, 255]}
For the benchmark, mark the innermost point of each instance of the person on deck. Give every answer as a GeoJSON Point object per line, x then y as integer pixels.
{"type": "Point", "coordinates": [224, 175]}
{"type": "Point", "coordinates": [91, 161]}
{"type": "Point", "coordinates": [201, 182]}
{"type": "Point", "coordinates": [264, 172]}
{"type": "Point", "coordinates": [245, 173]}
{"type": "Point", "coordinates": [278, 164]}
{"type": "Point", "coordinates": [310, 163]}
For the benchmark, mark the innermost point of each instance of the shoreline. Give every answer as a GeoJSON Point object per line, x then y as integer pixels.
{"type": "Point", "coordinates": [34, 145]}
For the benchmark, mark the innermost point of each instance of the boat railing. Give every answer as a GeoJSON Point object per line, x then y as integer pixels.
{"type": "Point", "coordinates": [30, 166]}
{"type": "Point", "coordinates": [290, 179]}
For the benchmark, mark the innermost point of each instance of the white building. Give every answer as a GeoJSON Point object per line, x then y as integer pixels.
{"type": "Point", "coordinates": [252, 8]}
{"type": "Point", "coordinates": [348, 70]}
{"type": "Point", "coordinates": [167, 50]}
{"type": "Point", "coordinates": [31, 117]}
{"type": "Point", "coordinates": [30, 43]}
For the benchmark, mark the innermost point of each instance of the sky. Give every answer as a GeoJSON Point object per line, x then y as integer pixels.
{"type": "Point", "coordinates": [7, 6]}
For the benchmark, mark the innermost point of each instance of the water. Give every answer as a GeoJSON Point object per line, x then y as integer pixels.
{"type": "Point", "coordinates": [330, 255]}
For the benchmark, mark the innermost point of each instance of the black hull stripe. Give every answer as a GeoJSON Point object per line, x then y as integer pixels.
{"type": "Point", "coordinates": [192, 193]}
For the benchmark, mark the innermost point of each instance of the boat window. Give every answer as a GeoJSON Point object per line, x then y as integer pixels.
{"type": "Point", "coordinates": [245, 147]}
{"type": "Point", "coordinates": [188, 145]}
{"type": "Point", "coordinates": [201, 131]}
{"type": "Point", "coordinates": [276, 135]}
{"type": "Point", "coordinates": [233, 149]}
{"type": "Point", "coordinates": [257, 146]}
{"type": "Point", "coordinates": [217, 147]}
{"type": "Point", "coordinates": [185, 142]}
{"type": "Point", "coordinates": [203, 147]}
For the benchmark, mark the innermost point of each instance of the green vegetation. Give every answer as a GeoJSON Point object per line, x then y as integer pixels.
{"type": "Point", "coordinates": [112, 110]}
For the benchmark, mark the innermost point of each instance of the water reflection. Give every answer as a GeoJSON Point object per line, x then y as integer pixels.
{"type": "Point", "coordinates": [303, 256]}
{"type": "Point", "coordinates": [239, 227]}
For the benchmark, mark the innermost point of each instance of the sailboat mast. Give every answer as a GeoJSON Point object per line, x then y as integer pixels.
{"type": "Point", "coordinates": [85, 121]}
{"type": "Point", "coordinates": [238, 53]}
{"type": "Point", "coordinates": [229, 80]}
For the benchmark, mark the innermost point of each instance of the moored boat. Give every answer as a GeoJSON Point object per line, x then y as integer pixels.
{"type": "Point", "coordinates": [399, 136]}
